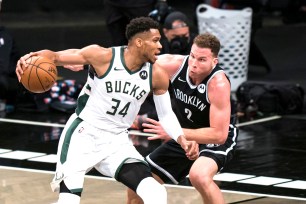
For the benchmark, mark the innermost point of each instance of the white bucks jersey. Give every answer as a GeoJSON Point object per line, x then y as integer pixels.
{"type": "Point", "coordinates": [112, 101]}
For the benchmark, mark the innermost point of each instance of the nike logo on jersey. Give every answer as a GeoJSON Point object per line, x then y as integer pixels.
{"type": "Point", "coordinates": [181, 79]}
{"type": "Point", "coordinates": [118, 69]}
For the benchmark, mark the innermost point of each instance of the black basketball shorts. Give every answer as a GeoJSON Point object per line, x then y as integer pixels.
{"type": "Point", "coordinates": [170, 163]}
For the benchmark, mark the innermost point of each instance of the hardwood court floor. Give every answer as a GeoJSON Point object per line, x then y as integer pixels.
{"type": "Point", "coordinates": [269, 165]}
{"type": "Point", "coordinates": [20, 186]}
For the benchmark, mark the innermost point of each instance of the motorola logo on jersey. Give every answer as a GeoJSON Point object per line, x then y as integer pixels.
{"type": "Point", "coordinates": [201, 88]}
{"type": "Point", "coordinates": [143, 74]}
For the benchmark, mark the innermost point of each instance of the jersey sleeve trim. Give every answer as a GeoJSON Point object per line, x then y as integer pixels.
{"type": "Point", "coordinates": [110, 65]}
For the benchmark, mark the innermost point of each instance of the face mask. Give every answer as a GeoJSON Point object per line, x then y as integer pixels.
{"type": "Point", "coordinates": [178, 45]}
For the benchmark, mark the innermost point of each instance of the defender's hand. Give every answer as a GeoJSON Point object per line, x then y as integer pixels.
{"type": "Point", "coordinates": [186, 145]}
{"type": "Point", "coordinates": [155, 127]}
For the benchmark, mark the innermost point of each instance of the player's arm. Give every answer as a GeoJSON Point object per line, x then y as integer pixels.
{"type": "Point", "coordinates": [153, 126]}
{"type": "Point", "coordinates": [220, 110]}
{"type": "Point", "coordinates": [92, 54]}
{"type": "Point", "coordinates": [164, 110]}
{"type": "Point", "coordinates": [170, 63]}
{"type": "Point", "coordinates": [82, 56]}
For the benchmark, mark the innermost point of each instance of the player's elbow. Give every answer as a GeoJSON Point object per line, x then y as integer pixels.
{"type": "Point", "coordinates": [221, 138]}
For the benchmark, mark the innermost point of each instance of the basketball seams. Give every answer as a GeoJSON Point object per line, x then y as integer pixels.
{"type": "Point", "coordinates": [28, 79]}
{"type": "Point", "coordinates": [37, 75]}
{"type": "Point", "coordinates": [49, 76]}
{"type": "Point", "coordinates": [37, 67]}
{"type": "Point", "coordinates": [30, 71]}
{"type": "Point", "coordinates": [40, 74]}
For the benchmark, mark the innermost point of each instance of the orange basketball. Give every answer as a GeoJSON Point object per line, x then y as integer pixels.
{"type": "Point", "coordinates": [40, 75]}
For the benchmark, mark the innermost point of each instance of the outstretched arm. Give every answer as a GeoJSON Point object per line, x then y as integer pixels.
{"type": "Point", "coordinates": [92, 54]}
{"type": "Point", "coordinates": [170, 63]}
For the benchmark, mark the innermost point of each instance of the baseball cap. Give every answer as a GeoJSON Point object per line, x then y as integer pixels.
{"type": "Point", "coordinates": [173, 16]}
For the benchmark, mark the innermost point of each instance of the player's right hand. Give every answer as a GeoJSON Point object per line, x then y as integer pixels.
{"type": "Point", "coordinates": [186, 145]}
{"type": "Point", "coordinates": [22, 65]}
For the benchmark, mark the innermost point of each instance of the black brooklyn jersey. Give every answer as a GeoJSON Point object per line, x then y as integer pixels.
{"type": "Point", "coordinates": [191, 102]}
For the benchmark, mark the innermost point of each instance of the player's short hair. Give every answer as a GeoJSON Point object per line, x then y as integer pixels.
{"type": "Point", "coordinates": [208, 40]}
{"type": "Point", "coordinates": [140, 25]}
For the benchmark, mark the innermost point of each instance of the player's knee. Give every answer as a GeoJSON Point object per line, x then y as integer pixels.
{"type": "Point", "coordinates": [137, 176]}
{"type": "Point", "coordinates": [200, 180]}
{"type": "Point", "coordinates": [151, 191]}
{"type": "Point", "coordinates": [132, 174]}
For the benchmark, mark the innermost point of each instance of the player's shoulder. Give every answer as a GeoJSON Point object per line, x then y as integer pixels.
{"type": "Point", "coordinates": [219, 81]}
{"type": "Point", "coordinates": [98, 52]}
{"type": "Point", "coordinates": [170, 59]}
{"type": "Point", "coordinates": [170, 63]}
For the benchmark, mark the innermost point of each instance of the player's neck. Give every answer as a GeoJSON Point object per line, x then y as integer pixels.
{"type": "Point", "coordinates": [195, 80]}
{"type": "Point", "coordinates": [132, 59]}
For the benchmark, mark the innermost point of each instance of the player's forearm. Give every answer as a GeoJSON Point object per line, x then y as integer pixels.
{"type": "Point", "coordinates": [205, 135]}
{"type": "Point", "coordinates": [48, 54]}
{"type": "Point", "coordinates": [166, 116]}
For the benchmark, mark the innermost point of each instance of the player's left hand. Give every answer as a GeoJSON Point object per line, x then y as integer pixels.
{"type": "Point", "coordinates": [193, 150]}
{"type": "Point", "coordinates": [153, 126]}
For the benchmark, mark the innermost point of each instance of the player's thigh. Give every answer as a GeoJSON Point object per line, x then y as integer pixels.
{"type": "Point", "coordinates": [121, 151]}
{"type": "Point", "coordinates": [79, 150]}
{"type": "Point", "coordinates": [169, 162]}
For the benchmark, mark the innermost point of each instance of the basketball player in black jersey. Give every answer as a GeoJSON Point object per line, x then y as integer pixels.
{"type": "Point", "coordinates": [202, 105]}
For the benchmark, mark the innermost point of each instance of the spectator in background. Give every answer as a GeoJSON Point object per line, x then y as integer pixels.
{"type": "Point", "coordinates": [9, 55]}
{"type": "Point", "coordinates": [177, 37]}
{"type": "Point", "coordinates": [120, 12]}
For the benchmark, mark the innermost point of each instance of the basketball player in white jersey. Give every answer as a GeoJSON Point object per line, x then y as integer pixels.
{"type": "Point", "coordinates": [203, 106]}
{"type": "Point", "coordinates": [96, 135]}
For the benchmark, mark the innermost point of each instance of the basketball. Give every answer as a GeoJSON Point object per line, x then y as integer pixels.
{"type": "Point", "coordinates": [40, 75]}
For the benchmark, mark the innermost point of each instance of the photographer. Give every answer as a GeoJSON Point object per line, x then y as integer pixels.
{"type": "Point", "coordinates": [177, 38]}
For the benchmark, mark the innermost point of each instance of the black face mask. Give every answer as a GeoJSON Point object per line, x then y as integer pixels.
{"type": "Point", "coordinates": [179, 45]}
